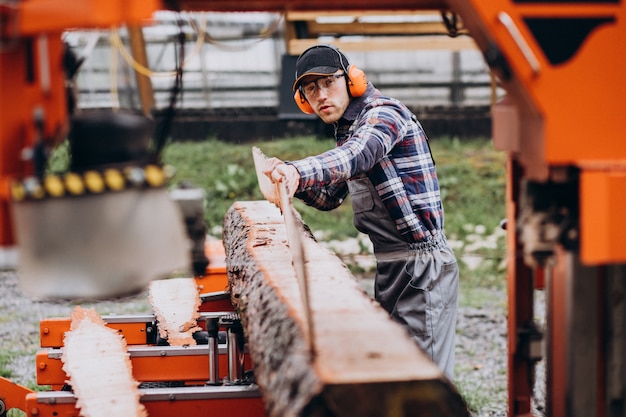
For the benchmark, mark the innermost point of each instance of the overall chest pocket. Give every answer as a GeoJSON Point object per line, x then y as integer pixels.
{"type": "Point", "coordinates": [361, 196]}
{"type": "Point", "coordinates": [362, 201]}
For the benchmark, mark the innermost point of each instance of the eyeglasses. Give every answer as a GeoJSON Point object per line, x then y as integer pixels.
{"type": "Point", "coordinates": [312, 89]}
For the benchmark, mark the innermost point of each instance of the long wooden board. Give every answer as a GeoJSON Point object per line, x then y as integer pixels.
{"type": "Point", "coordinates": [176, 303]}
{"type": "Point", "coordinates": [99, 370]}
{"type": "Point", "coordinates": [365, 364]}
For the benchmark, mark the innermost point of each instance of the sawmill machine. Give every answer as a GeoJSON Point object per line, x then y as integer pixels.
{"type": "Point", "coordinates": [560, 124]}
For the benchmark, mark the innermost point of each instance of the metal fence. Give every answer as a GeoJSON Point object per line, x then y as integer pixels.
{"type": "Point", "coordinates": [235, 67]}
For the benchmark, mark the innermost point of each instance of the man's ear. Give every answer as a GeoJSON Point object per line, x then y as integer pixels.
{"type": "Point", "coordinates": [302, 103]}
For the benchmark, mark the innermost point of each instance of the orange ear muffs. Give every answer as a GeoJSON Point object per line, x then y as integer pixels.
{"type": "Point", "coordinates": [302, 102]}
{"type": "Point", "coordinates": [357, 82]}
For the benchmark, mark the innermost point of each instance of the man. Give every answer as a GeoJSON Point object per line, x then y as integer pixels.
{"type": "Point", "coordinates": [383, 159]}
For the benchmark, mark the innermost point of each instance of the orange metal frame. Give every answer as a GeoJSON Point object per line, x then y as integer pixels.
{"type": "Point", "coordinates": [13, 395]}
{"type": "Point", "coordinates": [32, 79]}
{"type": "Point", "coordinates": [569, 112]}
{"type": "Point", "coordinates": [202, 401]}
{"type": "Point", "coordinates": [149, 364]}
{"type": "Point", "coordinates": [552, 101]}
{"type": "Point", "coordinates": [52, 331]}
{"type": "Point", "coordinates": [215, 279]}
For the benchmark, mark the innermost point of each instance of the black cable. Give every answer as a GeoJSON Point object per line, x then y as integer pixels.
{"type": "Point", "coordinates": [176, 91]}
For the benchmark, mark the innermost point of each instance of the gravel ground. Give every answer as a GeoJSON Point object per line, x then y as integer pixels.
{"type": "Point", "coordinates": [20, 317]}
{"type": "Point", "coordinates": [481, 373]}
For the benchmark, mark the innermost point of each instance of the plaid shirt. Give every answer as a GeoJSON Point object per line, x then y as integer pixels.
{"type": "Point", "coordinates": [378, 136]}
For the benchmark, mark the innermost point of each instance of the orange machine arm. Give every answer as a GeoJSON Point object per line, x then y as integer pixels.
{"type": "Point", "coordinates": [33, 107]}
{"type": "Point", "coordinates": [562, 66]}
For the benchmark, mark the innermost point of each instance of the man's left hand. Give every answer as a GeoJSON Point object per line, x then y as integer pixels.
{"type": "Point", "coordinates": [279, 171]}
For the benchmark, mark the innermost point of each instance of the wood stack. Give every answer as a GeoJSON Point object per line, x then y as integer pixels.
{"type": "Point", "coordinates": [362, 363]}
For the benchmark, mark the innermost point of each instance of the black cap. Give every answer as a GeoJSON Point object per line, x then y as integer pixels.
{"type": "Point", "coordinates": [319, 60]}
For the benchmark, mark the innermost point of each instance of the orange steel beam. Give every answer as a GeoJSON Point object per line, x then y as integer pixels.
{"type": "Point", "coordinates": [520, 305]}
{"type": "Point", "coordinates": [556, 349]}
{"type": "Point", "coordinates": [602, 201]}
{"type": "Point", "coordinates": [46, 16]}
{"type": "Point", "coordinates": [137, 329]}
{"type": "Point", "coordinates": [226, 401]}
{"type": "Point", "coordinates": [149, 364]}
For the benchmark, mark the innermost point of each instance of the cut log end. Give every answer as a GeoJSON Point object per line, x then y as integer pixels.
{"type": "Point", "coordinates": [176, 303]}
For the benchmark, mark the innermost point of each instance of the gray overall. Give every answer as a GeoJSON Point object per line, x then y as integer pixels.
{"type": "Point", "coordinates": [417, 283]}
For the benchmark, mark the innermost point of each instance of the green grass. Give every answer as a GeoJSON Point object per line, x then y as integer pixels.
{"type": "Point", "coordinates": [472, 180]}
{"type": "Point", "coordinates": [5, 360]}
{"type": "Point", "coordinates": [471, 174]}
{"type": "Point", "coordinates": [226, 172]}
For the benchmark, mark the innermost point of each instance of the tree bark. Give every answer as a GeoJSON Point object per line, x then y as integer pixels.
{"type": "Point", "coordinates": [362, 363]}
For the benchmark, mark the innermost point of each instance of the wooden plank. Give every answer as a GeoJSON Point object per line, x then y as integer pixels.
{"type": "Point", "coordinates": [176, 303]}
{"type": "Point", "coordinates": [385, 30]}
{"type": "Point", "coordinates": [391, 43]}
{"type": "Point", "coordinates": [389, 22]}
{"type": "Point", "coordinates": [295, 15]}
{"type": "Point", "coordinates": [364, 363]}
{"type": "Point", "coordinates": [98, 366]}
{"type": "Point", "coordinates": [316, 29]}
{"type": "Point", "coordinates": [322, 7]}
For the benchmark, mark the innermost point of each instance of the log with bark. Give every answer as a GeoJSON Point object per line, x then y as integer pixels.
{"type": "Point", "coordinates": [362, 363]}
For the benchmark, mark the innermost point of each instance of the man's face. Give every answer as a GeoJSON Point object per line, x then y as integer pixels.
{"type": "Point", "coordinates": [328, 96]}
